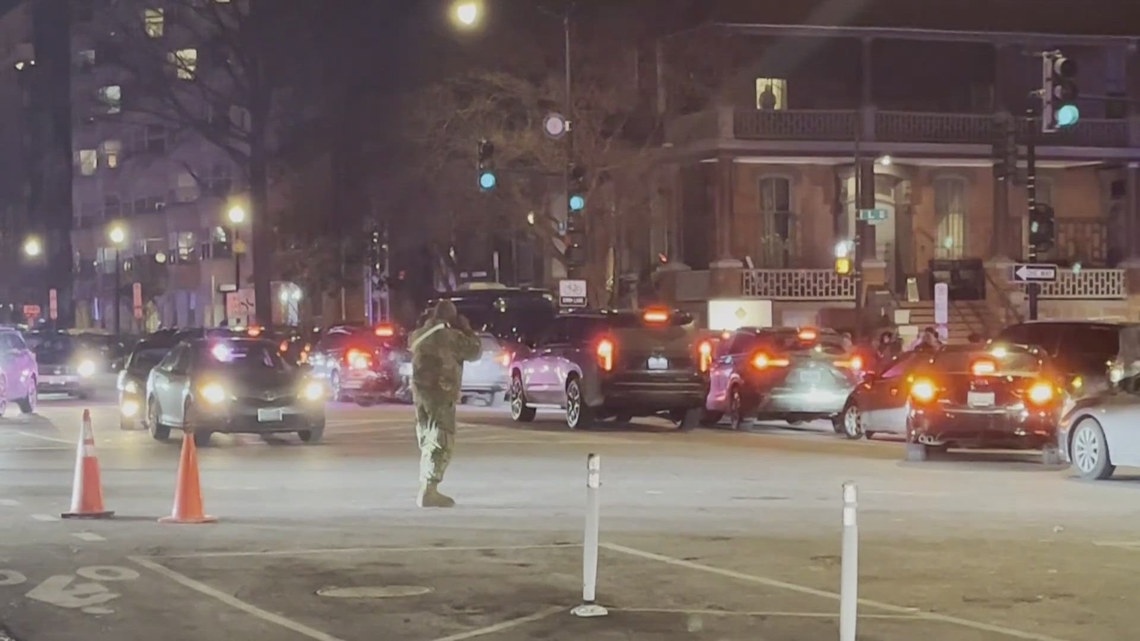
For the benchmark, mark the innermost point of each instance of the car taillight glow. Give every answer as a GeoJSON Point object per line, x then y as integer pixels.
{"type": "Point", "coordinates": [357, 359]}
{"type": "Point", "coordinates": [704, 350]}
{"type": "Point", "coordinates": [808, 335]}
{"type": "Point", "coordinates": [283, 347]}
{"type": "Point", "coordinates": [655, 316]}
{"type": "Point", "coordinates": [763, 361]}
{"type": "Point", "coordinates": [854, 363]}
{"type": "Point", "coordinates": [605, 352]}
{"type": "Point", "coordinates": [385, 331]}
{"type": "Point", "coordinates": [505, 359]}
{"type": "Point", "coordinates": [923, 390]}
{"type": "Point", "coordinates": [1040, 393]}
{"type": "Point", "coordinates": [983, 367]}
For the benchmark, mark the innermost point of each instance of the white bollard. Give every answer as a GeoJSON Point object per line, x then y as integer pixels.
{"type": "Point", "coordinates": [849, 565]}
{"type": "Point", "coordinates": [590, 542]}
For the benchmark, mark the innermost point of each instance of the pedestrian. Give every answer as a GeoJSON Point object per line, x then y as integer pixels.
{"type": "Point", "coordinates": [928, 341]}
{"type": "Point", "coordinates": [439, 347]}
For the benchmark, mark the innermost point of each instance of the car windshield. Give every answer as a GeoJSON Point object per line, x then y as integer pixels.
{"type": "Point", "coordinates": [55, 347]}
{"type": "Point", "coordinates": [1006, 362]}
{"type": "Point", "coordinates": [511, 317]}
{"type": "Point", "coordinates": [147, 357]}
{"type": "Point", "coordinates": [245, 355]}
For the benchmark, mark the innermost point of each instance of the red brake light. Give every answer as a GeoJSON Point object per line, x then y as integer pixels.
{"type": "Point", "coordinates": [983, 367]}
{"type": "Point", "coordinates": [283, 347]}
{"type": "Point", "coordinates": [855, 363]}
{"type": "Point", "coordinates": [357, 359]}
{"type": "Point", "coordinates": [808, 335]}
{"type": "Point", "coordinates": [605, 352]}
{"type": "Point", "coordinates": [1040, 393]}
{"type": "Point", "coordinates": [705, 350]}
{"type": "Point", "coordinates": [763, 361]}
{"type": "Point", "coordinates": [385, 331]}
{"type": "Point", "coordinates": [655, 315]}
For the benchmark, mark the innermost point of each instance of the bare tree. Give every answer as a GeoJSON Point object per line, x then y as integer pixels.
{"type": "Point", "coordinates": [225, 72]}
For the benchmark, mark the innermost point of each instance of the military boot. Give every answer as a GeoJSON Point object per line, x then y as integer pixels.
{"type": "Point", "coordinates": [430, 497]}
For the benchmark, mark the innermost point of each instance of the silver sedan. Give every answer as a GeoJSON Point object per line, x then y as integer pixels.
{"type": "Point", "coordinates": [1099, 433]}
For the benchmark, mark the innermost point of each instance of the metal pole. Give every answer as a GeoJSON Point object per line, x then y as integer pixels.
{"type": "Point", "coordinates": [118, 294]}
{"type": "Point", "coordinates": [237, 278]}
{"type": "Point", "coordinates": [589, 608]}
{"type": "Point", "coordinates": [857, 253]}
{"type": "Point", "coordinates": [849, 566]}
{"type": "Point", "coordinates": [1032, 288]}
{"type": "Point", "coordinates": [572, 272]}
{"type": "Point", "coordinates": [387, 284]}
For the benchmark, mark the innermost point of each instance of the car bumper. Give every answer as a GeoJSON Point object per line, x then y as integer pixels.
{"type": "Point", "coordinates": [643, 396]}
{"type": "Point", "coordinates": [247, 420]}
{"type": "Point", "coordinates": [1001, 429]}
{"type": "Point", "coordinates": [818, 402]}
{"type": "Point", "coordinates": [372, 384]}
{"type": "Point", "coordinates": [64, 384]}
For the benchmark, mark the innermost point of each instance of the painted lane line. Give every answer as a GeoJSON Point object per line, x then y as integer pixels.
{"type": "Point", "coordinates": [313, 551]}
{"type": "Point", "coordinates": [46, 518]}
{"type": "Point", "coordinates": [790, 615]}
{"type": "Point", "coordinates": [88, 536]}
{"type": "Point", "coordinates": [803, 589]}
{"type": "Point", "coordinates": [232, 601]}
{"type": "Point", "coordinates": [1124, 545]}
{"type": "Point", "coordinates": [505, 625]}
{"type": "Point", "coordinates": [45, 438]}
{"type": "Point", "coordinates": [9, 502]}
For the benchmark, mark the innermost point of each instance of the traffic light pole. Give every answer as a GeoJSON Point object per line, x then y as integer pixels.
{"type": "Point", "coordinates": [1032, 288]}
{"type": "Point", "coordinates": [572, 271]}
{"type": "Point", "coordinates": [860, 226]}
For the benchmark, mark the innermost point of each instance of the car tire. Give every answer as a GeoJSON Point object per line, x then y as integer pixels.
{"type": "Point", "coordinates": [3, 395]}
{"type": "Point", "coordinates": [201, 436]}
{"type": "Point", "coordinates": [29, 403]}
{"type": "Point", "coordinates": [1088, 450]}
{"type": "Point", "coordinates": [579, 416]}
{"type": "Point", "coordinates": [314, 434]}
{"type": "Point", "coordinates": [334, 387]}
{"type": "Point", "coordinates": [365, 402]}
{"type": "Point", "coordinates": [516, 397]}
{"type": "Point", "coordinates": [710, 418]}
{"type": "Point", "coordinates": [851, 422]}
{"type": "Point", "coordinates": [688, 420]}
{"type": "Point", "coordinates": [736, 418]}
{"type": "Point", "coordinates": [158, 431]}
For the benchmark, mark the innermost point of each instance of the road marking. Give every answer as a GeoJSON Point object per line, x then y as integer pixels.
{"type": "Point", "coordinates": [1123, 545]}
{"type": "Point", "coordinates": [9, 502]}
{"type": "Point", "coordinates": [46, 518]}
{"type": "Point", "coordinates": [505, 625]}
{"type": "Point", "coordinates": [11, 577]}
{"type": "Point", "coordinates": [233, 601]}
{"type": "Point", "coordinates": [311, 551]}
{"type": "Point", "coordinates": [726, 613]}
{"type": "Point", "coordinates": [900, 493]}
{"type": "Point", "coordinates": [87, 536]}
{"type": "Point", "coordinates": [45, 438]}
{"type": "Point", "coordinates": [803, 589]}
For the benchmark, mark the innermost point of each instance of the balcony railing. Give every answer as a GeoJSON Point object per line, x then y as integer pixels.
{"type": "Point", "coordinates": [797, 284]}
{"type": "Point", "coordinates": [1086, 284]}
{"type": "Point", "coordinates": [883, 126]}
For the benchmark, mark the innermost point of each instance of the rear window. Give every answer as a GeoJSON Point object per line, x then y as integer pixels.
{"type": "Point", "coordinates": [628, 321]}
{"type": "Point", "coordinates": [1012, 363]}
{"type": "Point", "coordinates": [243, 355]}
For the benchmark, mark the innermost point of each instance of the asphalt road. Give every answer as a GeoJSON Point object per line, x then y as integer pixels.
{"type": "Point", "coordinates": [706, 536]}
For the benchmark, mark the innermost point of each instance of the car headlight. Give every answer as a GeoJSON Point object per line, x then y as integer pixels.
{"type": "Point", "coordinates": [132, 387]}
{"type": "Point", "coordinates": [214, 393]}
{"type": "Point", "coordinates": [86, 368]}
{"type": "Point", "coordinates": [313, 391]}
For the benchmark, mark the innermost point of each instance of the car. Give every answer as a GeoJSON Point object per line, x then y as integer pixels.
{"type": "Point", "coordinates": [614, 364]}
{"type": "Point", "coordinates": [67, 365]}
{"type": "Point", "coordinates": [1098, 433]}
{"type": "Point", "coordinates": [1092, 355]}
{"type": "Point", "coordinates": [361, 363]}
{"type": "Point", "coordinates": [232, 385]}
{"type": "Point", "coordinates": [131, 382]}
{"type": "Point", "coordinates": [996, 396]}
{"type": "Point", "coordinates": [18, 372]}
{"type": "Point", "coordinates": [782, 373]}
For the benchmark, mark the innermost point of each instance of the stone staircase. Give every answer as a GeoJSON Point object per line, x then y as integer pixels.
{"type": "Point", "coordinates": [966, 317]}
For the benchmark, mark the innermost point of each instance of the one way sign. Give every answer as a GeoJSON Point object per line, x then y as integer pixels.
{"type": "Point", "coordinates": [1031, 273]}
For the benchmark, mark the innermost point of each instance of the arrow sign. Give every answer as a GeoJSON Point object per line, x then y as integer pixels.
{"type": "Point", "coordinates": [1031, 273]}
{"type": "Point", "coordinates": [59, 591]}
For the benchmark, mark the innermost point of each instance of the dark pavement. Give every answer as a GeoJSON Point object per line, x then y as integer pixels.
{"type": "Point", "coordinates": [709, 535]}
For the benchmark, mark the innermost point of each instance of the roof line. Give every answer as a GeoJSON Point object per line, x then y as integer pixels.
{"type": "Point", "coordinates": [942, 35]}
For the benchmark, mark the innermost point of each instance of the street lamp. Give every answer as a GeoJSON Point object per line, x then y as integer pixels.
{"type": "Point", "coordinates": [467, 12]}
{"type": "Point", "coordinates": [117, 234]}
{"type": "Point", "coordinates": [33, 247]}
{"type": "Point", "coordinates": [236, 216]}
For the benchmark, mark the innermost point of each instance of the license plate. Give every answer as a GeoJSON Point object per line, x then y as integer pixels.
{"type": "Point", "coordinates": [657, 362]}
{"type": "Point", "coordinates": [405, 369]}
{"type": "Point", "coordinates": [270, 415]}
{"type": "Point", "coordinates": [54, 380]}
{"type": "Point", "coordinates": [980, 399]}
{"type": "Point", "coordinates": [809, 377]}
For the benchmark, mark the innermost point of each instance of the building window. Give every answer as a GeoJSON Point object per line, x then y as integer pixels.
{"type": "Point", "coordinates": [771, 94]}
{"type": "Point", "coordinates": [85, 59]}
{"type": "Point", "coordinates": [950, 217]}
{"type": "Point", "coordinates": [149, 205]}
{"type": "Point", "coordinates": [218, 182]}
{"type": "Point", "coordinates": [151, 138]}
{"type": "Point", "coordinates": [153, 22]}
{"type": "Point", "coordinates": [184, 62]}
{"type": "Point", "coordinates": [111, 97]}
{"type": "Point", "coordinates": [184, 246]}
{"type": "Point", "coordinates": [185, 188]}
{"type": "Point", "coordinates": [777, 222]}
{"type": "Point", "coordinates": [112, 151]}
{"type": "Point", "coordinates": [87, 161]}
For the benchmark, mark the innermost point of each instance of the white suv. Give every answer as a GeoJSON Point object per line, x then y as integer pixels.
{"type": "Point", "coordinates": [17, 372]}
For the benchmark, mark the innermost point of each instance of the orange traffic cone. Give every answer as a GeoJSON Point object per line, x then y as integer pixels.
{"type": "Point", "coordinates": [87, 489]}
{"type": "Point", "coordinates": [188, 494]}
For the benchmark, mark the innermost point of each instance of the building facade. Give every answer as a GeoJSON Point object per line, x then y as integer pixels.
{"type": "Point", "coordinates": [151, 175]}
{"type": "Point", "coordinates": [760, 186]}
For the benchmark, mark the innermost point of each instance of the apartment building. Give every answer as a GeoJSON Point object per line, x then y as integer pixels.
{"type": "Point", "coordinates": [151, 194]}
{"type": "Point", "coordinates": [759, 187]}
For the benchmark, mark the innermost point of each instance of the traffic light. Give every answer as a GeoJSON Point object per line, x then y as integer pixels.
{"type": "Point", "coordinates": [843, 265]}
{"type": "Point", "coordinates": [1042, 229]}
{"type": "Point", "coordinates": [486, 166]}
{"type": "Point", "coordinates": [1058, 92]}
{"type": "Point", "coordinates": [577, 188]}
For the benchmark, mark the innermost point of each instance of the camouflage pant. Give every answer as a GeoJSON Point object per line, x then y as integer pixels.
{"type": "Point", "coordinates": [435, 431]}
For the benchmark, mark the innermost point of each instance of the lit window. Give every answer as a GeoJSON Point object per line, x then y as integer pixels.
{"type": "Point", "coordinates": [153, 22]}
{"type": "Point", "coordinates": [771, 94]}
{"type": "Point", "coordinates": [185, 63]}
{"type": "Point", "coordinates": [88, 162]}
{"type": "Point", "coordinates": [112, 98]}
{"type": "Point", "coordinates": [85, 58]}
{"type": "Point", "coordinates": [112, 151]}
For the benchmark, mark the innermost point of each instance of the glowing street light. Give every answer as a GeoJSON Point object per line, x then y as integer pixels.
{"type": "Point", "coordinates": [467, 12]}
{"type": "Point", "coordinates": [117, 235]}
{"type": "Point", "coordinates": [236, 215]}
{"type": "Point", "coordinates": [33, 247]}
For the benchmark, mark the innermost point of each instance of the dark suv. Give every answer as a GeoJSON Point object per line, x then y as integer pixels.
{"type": "Point", "coordinates": [618, 364]}
{"type": "Point", "coordinates": [1090, 354]}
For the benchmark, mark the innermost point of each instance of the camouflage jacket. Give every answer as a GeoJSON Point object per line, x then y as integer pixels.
{"type": "Point", "coordinates": [438, 353]}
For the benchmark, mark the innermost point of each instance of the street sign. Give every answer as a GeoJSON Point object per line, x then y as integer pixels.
{"type": "Point", "coordinates": [138, 302]}
{"type": "Point", "coordinates": [873, 215]}
{"type": "Point", "coordinates": [941, 303]}
{"type": "Point", "coordinates": [571, 293]}
{"type": "Point", "coordinates": [1034, 273]}
{"type": "Point", "coordinates": [53, 304]}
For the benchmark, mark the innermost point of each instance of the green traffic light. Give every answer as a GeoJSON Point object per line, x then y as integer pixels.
{"type": "Point", "coordinates": [1068, 115]}
{"type": "Point", "coordinates": [487, 181]}
{"type": "Point", "coordinates": [577, 203]}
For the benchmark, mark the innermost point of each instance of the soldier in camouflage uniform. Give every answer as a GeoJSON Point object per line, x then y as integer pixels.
{"type": "Point", "coordinates": [439, 347]}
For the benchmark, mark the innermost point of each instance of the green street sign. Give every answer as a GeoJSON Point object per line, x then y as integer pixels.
{"type": "Point", "coordinates": [873, 215]}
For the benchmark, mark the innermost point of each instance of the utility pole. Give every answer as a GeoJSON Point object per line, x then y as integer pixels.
{"type": "Point", "coordinates": [1032, 288]}
{"type": "Point", "coordinates": [860, 228]}
{"type": "Point", "coordinates": [572, 270]}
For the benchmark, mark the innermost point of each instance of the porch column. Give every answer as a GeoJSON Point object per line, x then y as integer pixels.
{"type": "Point", "coordinates": [866, 122]}
{"type": "Point", "coordinates": [1133, 226]}
{"type": "Point", "coordinates": [725, 194]}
